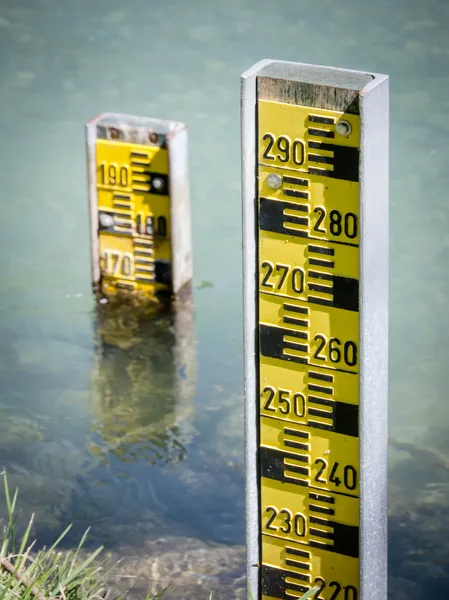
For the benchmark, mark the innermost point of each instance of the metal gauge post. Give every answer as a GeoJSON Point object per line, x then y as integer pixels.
{"type": "Point", "coordinates": [139, 206]}
{"type": "Point", "coordinates": [315, 230]}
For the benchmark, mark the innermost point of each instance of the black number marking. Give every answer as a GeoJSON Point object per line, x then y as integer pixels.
{"type": "Point", "coordinates": [268, 266]}
{"type": "Point", "coordinates": [297, 398]}
{"type": "Point", "coordinates": [332, 478]}
{"type": "Point", "coordinates": [323, 463]}
{"type": "Point", "coordinates": [127, 265]}
{"type": "Point", "coordinates": [112, 174]}
{"type": "Point", "coordinates": [287, 521]}
{"type": "Point", "coordinates": [285, 149]}
{"type": "Point", "coordinates": [337, 223]}
{"type": "Point", "coordinates": [123, 176]}
{"type": "Point", "coordinates": [300, 525]}
{"type": "Point", "coordinates": [322, 584]}
{"type": "Point", "coordinates": [283, 145]}
{"type": "Point", "coordinates": [271, 394]}
{"type": "Point", "coordinates": [321, 218]}
{"type": "Point", "coordinates": [139, 224]}
{"type": "Point", "coordinates": [272, 518]}
{"type": "Point", "coordinates": [285, 269]}
{"type": "Point", "coordinates": [349, 474]}
{"type": "Point", "coordinates": [337, 590]}
{"type": "Point", "coordinates": [350, 592]}
{"type": "Point", "coordinates": [284, 401]}
{"type": "Point", "coordinates": [334, 350]}
{"type": "Point", "coordinates": [350, 477]}
{"type": "Point", "coordinates": [118, 263]}
{"type": "Point", "coordinates": [296, 523]}
{"type": "Point", "coordinates": [271, 140]}
{"type": "Point", "coordinates": [161, 227]}
{"type": "Point", "coordinates": [351, 228]}
{"type": "Point", "coordinates": [144, 225]}
{"type": "Point", "coordinates": [322, 341]}
{"type": "Point", "coordinates": [350, 353]}
{"type": "Point", "coordinates": [298, 145]}
{"type": "Point", "coordinates": [298, 278]}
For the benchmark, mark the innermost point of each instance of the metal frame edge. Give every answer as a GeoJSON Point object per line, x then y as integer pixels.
{"type": "Point", "coordinates": [248, 157]}
{"type": "Point", "coordinates": [374, 284]}
{"type": "Point", "coordinates": [181, 235]}
{"type": "Point", "coordinates": [90, 139]}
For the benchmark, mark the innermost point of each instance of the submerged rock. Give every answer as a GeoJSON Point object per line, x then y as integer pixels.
{"type": "Point", "coordinates": [191, 569]}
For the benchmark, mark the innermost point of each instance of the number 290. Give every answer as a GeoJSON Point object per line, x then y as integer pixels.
{"type": "Point", "coordinates": [283, 149]}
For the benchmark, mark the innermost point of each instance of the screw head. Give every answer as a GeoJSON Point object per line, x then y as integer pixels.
{"type": "Point", "coordinates": [274, 181]}
{"type": "Point", "coordinates": [106, 220]}
{"type": "Point", "coordinates": [153, 137]}
{"type": "Point", "coordinates": [114, 133]}
{"type": "Point", "coordinates": [157, 183]}
{"type": "Point", "coordinates": [343, 128]}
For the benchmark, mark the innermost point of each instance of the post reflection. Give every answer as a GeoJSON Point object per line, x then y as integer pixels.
{"type": "Point", "coordinates": [143, 384]}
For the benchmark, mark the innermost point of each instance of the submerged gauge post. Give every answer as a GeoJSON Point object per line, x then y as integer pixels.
{"type": "Point", "coordinates": [315, 235]}
{"type": "Point", "coordinates": [138, 180]}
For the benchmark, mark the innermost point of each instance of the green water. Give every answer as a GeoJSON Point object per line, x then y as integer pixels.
{"type": "Point", "coordinates": [91, 428]}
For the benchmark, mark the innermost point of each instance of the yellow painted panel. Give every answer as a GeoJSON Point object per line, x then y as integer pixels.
{"type": "Point", "coordinates": [308, 395]}
{"type": "Point", "coordinates": [321, 336]}
{"type": "Point", "coordinates": [315, 458]}
{"type": "Point", "coordinates": [326, 212]}
{"type": "Point", "coordinates": [133, 203]}
{"type": "Point", "coordinates": [308, 213]}
{"type": "Point", "coordinates": [301, 567]}
{"type": "Point", "coordinates": [306, 270]}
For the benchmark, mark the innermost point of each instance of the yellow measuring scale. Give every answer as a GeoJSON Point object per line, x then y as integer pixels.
{"type": "Point", "coordinates": [308, 302]}
{"type": "Point", "coordinates": [315, 214]}
{"type": "Point", "coordinates": [134, 215]}
{"type": "Point", "coordinates": [138, 184]}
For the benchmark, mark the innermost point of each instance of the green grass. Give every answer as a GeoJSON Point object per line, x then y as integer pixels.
{"type": "Point", "coordinates": [50, 574]}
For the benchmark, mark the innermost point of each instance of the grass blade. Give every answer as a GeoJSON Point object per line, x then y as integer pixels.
{"type": "Point", "coordinates": [80, 545]}
{"type": "Point", "coordinates": [9, 506]}
{"type": "Point", "coordinates": [309, 593]}
{"type": "Point", "coordinates": [60, 538]}
{"type": "Point", "coordinates": [26, 535]}
{"type": "Point", "coordinates": [81, 567]}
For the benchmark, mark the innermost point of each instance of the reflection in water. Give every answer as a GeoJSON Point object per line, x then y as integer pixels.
{"type": "Point", "coordinates": [419, 521]}
{"type": "Point", "coordinates": [143, 383]}
{"type": "Point", "coordinates": [39, 461]}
